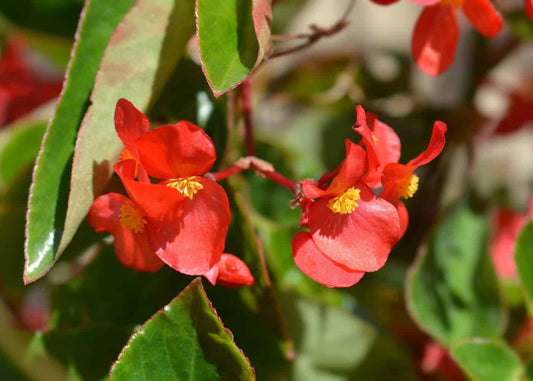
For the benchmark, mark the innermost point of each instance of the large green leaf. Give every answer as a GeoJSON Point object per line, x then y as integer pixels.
{"type": "Point", "coordinates": [233, 37]}
{"type": "Point", "coordinates": [49, 193]}
{"type": "Point", "coordinates": [140, 57]}
{"type": "Point", "coordinates": [330, 343]}
{"type": "Point", "coordinates": [524, 259]}
{"type": "Point", "coordinates": [486, 360]}
{"type": "Point", "coordinates": [184, 341]}
{"type": "Point", "coordinates": [452, 290]}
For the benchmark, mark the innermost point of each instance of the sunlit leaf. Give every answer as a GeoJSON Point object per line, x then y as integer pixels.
{"type": "Point", "coordinates": [485, 360]}
{"type": "Point", "coordinates": [47, 206]}
{"type": "Point", "coordinates": [184, 341]}
{"type": "Point", "coordinates": [452, 291]}
{"type": "Point", "coordinates": [233, 37]}
{"type": "Point", "coordinates": [524, 259]}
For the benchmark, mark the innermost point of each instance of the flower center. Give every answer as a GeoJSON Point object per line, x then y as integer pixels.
{"type": "Point", "coordinates": [131, 219]}
{"type": "Point", "coordinates": [186, 186]}
{"type": "Point", "coordinates": [408, 186]}
{"type": "Point", "coordinates": [346, 202]}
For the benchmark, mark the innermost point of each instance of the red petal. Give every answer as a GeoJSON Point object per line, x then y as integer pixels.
{"type": "Point", "coordinates": [384, 2]}
{"type": "Point", "coordinates": [386, 143]}
{"type": "Point", "coordinates": [373, 175]}
{"type": "Point", "coordinates": [391, 174]}
{"type": "Point", "coordinates": [311, 190]}
{"type": "Point", "coordinates": [351, 169]}
{"type": "Point", "coordinates": [485, 18]}
{"type": "Point", "coordinates": [193, 243]}
{"type": "Point", "coordinates": [317, 266]}
{"type": "Point", "coordinates": [404, 217]}
{"type": "Point", "coordinates": [130, 123]}
{"type": "Point", "coordinates": [435, 39]}
{"type": "Point", "coordinates": [361, 240]}
{"type": "Point", "coordinates": [178, 150]}
{"type": "Point", "coordinates": [528, 5]}
{"type": "Point", "coordinates": [435, 146]}
{"type": "Point", "coordinates": [133, 249]}
{"type": "Point", "coordinates": [425, 2]}
{"type": "Point", "coordinates": [232, 272]}
{"type": "Point", "coordinates": [158, 202]}
{"type": "Point", "coordinates": [508, 225]}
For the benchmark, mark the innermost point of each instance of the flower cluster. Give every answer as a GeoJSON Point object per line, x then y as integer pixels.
{"type": "Point", "coordinates": [351, 231]}
{"type": "Point", "coordinates": [182, 218]}
{"type": "Point", "coordinates": [436, 32]}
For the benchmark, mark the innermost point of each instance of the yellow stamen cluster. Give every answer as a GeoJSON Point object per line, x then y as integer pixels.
{"type": "Point", "coordinates": [186, 186]}
{"type": "Point", "coordinates": [131, 219]}
{"type": "Point", "coordinates": [346, 202]}
{"type": "Point", "coordinates": [408, 186]}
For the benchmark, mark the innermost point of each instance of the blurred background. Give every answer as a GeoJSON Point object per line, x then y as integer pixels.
{"type": "Point", "coordinates": [62, 327]}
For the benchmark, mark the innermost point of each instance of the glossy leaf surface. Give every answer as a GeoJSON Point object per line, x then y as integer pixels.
{"type": "Point", "coordinates": [184, 341]}
{"type": "Point", "coordinates": [233, 38]}
{"type": "Point", "coordinates": [49, 193]}
{"type": "Point", "coordinates": [485, 360]}
{"type": "Point", "coordinates": [139, 58]}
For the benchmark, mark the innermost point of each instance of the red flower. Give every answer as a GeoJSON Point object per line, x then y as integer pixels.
{"type": "Point", "coordinates": [130, 125]}
{"type": "Point", "coordinates": [21, 87]}
{"type": "Point", "coordinates": [436, 32]}
{"type": "Point", "coordinates": [382, 144]}
{"type": "Point", "coordinates": [528, 6]}
{"type": "Point", "coordinates": [116, 214]}
{"type": "Point", "coordinates": [507, 225]}
{"type": "Point", "coordinates": [230, 272]}
{"type": "Point", "coordinates": [190, 213]}
{"type": "Point", "coordinates": [351, 231]}
{"type": "Point", "coordinates": [399, 180]}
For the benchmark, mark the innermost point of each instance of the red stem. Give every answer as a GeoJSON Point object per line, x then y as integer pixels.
{"type": "Point", "coordinates": [280, 179]}
{"type": "Point", "coordinates": [225, 173]}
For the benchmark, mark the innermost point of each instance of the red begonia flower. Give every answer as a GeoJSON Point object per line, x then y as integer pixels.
{"type": "Point", "coordinates": [317, 266]}
{"type": "Point", "coordinates": [347, 224]}
{"type": "Point", "coordinates": [230, 272]}
{"type": "Point", "coordinates": [483, 16]}
{"type": "Point", "coordinates": [399, 180]}
{"type": "Point", "coordinates": [436, 32]}
{"type": "Point", "coordinates": [22, 88]}
{"type": "Point", "coordinates": [130, 125]}
{"type": "Point", "coordinates": [528, 6]}
{"type": "Point", "coordinates": [191, 212]}
{"type": "Point", "coordinates": [435, 39]}
{"type": "Point", "coordinates": [519, 114]}
{"type": "Point", "coordinates": [382, 144]}
{"type": "Point", "coordinates": [116, 214]}
{"type": "Point", "coordinates": [507, 225]}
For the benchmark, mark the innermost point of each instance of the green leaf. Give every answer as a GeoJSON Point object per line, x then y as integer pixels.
{"type": "Point", "coordinates": [524, 259]}
{"type": "Point", "coordinates": [328, 341]}
{"type": "Point", "coordinates": [184, 341]}
{"type": "Point", "coordinates": [485, 360]}
{"type": "Point", "coordinates": [233, 37]}
{"type": "Point", "coordinates": [452, 290]}
{"type": "Point", "coordinates": [19, 144]}
{"type": "Point", "coordinates": [140, 57]}
{"type": "Point", "coordinates": [49, 194]}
